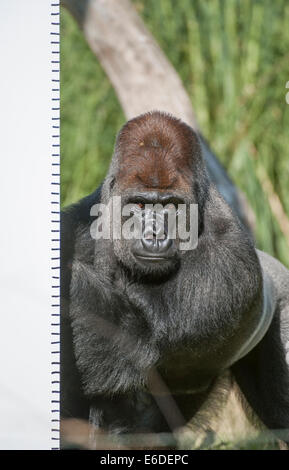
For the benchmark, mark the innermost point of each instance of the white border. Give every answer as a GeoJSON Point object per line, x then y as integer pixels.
{"type": "Point", "coordinates": [26, 223]}
{"type": "Point", "coordinates": [55, 223]}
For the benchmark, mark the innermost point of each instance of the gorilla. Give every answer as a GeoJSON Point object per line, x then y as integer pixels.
{"type": "Point", "coordinates": [148, 327]}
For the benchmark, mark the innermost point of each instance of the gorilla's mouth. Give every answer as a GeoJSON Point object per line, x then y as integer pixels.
{"type": "Point", "coordinates": [156, 264]}
{"type": "Point", "coordinates": [152, 258]}
{"type": "Point", "coordinates": [154, 252]}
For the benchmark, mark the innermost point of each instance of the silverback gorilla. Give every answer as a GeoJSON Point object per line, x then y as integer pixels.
{"type": "Point", "coordinates": [147, 328]}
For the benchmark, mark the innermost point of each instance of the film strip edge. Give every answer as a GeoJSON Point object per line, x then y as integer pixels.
{"type": "Point", "coordinates": [55, 223]}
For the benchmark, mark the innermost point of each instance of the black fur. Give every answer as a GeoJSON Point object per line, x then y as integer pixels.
{"type": "Point", "coordinates": [122, 328]}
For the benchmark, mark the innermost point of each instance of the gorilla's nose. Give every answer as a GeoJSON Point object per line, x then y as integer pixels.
{"type": "Point", "coordinates": [155, 246]}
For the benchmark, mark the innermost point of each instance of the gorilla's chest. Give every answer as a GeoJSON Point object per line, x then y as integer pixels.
{"type": "Point", "coordinates": [169, 325]}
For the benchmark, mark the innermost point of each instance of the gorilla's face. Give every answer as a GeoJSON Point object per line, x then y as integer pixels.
{"type": "Point", "coordinates": [150, 243]}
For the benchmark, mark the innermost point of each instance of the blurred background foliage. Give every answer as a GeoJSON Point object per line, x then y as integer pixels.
{"type": "Point", "coordinates": [233, 58]}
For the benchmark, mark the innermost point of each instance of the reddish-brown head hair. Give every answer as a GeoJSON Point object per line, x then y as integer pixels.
{"type": "Point", "coordinates": [156, 151]}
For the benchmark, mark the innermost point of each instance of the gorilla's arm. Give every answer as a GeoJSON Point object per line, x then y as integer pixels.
{"type": "Point", "coordinates": [73, 402]}
{"type": "Point", "coordinates": [263, 375]}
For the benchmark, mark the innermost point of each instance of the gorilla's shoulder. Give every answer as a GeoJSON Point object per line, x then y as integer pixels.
{"type": "Point", "coordinates": [79, 213]}
{"type": "Point", "coordinates": [72, 218]}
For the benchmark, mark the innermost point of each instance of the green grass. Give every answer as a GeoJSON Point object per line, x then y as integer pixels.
{"type": "Point", "coordinates": [233, 59]}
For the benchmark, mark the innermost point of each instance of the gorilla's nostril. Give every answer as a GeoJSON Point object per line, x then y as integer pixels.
{"type": "Point", "coordinates": [150, 244]}
{"type": "Point", "coordinates": [164, 245]}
